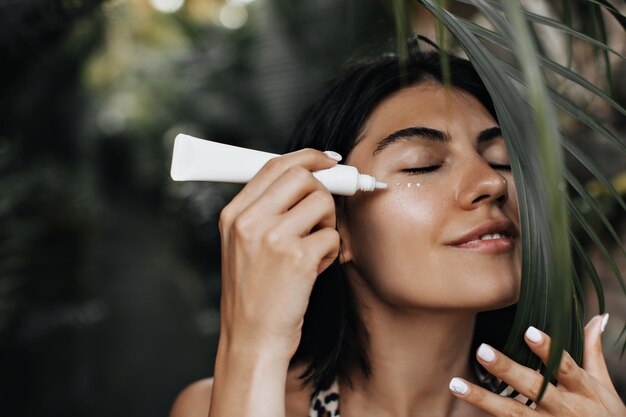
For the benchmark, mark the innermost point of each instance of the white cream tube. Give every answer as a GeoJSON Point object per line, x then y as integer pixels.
{"type": "Point", "coordinates": [196, 159]}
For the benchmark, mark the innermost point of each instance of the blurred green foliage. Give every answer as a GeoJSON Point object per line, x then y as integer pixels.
{"type": "Point", "coordinates": [109, 272]}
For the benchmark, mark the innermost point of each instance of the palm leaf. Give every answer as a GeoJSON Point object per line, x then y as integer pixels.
{"type": "Point", "coordinates": [587, 198]}
{"type": "Point", "coordinates": [576, 214]}
{"type": "Point", "coordinates": [565, 26]}
{"type": "Point", "coordinates": [551, 295]}
{"type": "Point", "coordinates": [549, 64]}
{"type": "Point", "coordinates": [567, 20]}
{"type": "Point", "coordinates": [569, 144]}
{"type": "Point", "coordinates": [600, 32]}
{"type": "Point", "coordinates": [589, 268]}
{"type": "Point", "coordinates": [402, 27]}
{"type": "Point", "coordinates": [621, 19]}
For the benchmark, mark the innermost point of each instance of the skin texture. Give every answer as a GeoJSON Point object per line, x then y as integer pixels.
{"type": "Point", "coordinates": [417, 294]}
{"type": "Point", "coordinates": [401, 234]}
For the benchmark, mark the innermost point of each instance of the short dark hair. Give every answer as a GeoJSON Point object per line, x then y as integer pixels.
{"type": "Point", "coordinates": [334, 339]}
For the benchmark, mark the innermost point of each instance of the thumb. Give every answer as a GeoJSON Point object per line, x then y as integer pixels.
{"type": "Point", "coordinates": [593, 357]}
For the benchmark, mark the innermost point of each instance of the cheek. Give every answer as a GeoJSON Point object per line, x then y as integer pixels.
{"type": "Point", "coordinates": [398, 249]}
{"type": "Point", "coordinates": [393, 238]}
{"type": "Point", "coordinates": [399, 217]}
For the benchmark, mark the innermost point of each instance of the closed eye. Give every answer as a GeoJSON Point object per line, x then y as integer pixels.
{"type": "Point", "coordinates": [432, 168]}
{"type": "Point", "coordinates": [502, 167]}
{"type": "Point", "coordinates": [421, 170]}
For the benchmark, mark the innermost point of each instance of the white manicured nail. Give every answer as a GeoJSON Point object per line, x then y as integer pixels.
{"type": "Point", "coordinates": [457, 385]}
{"type": "Point", "coordinates": [605, 320]}
{"type": "Point", "coordinates": [486, 353]}
{"type": "Point", "coordinates": [333, 155]}
{"type": "Point", "coordinates": [534, 335]}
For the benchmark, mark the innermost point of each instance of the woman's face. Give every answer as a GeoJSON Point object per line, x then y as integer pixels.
{"type": "Point", "coordinates": [421, 242]}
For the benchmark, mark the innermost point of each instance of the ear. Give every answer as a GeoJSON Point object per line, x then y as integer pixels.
{"type": "Point", "coordinates": [345, 248]}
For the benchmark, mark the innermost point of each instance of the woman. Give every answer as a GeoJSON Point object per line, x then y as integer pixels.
{"type": "Point", "coordinates": [369, 303]}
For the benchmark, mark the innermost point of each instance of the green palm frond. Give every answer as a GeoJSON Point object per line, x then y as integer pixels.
{"type": "Point", "coordinates": [527, 86]}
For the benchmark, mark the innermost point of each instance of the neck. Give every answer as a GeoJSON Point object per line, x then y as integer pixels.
{"type": "Point", "coordinates": [414, 354]}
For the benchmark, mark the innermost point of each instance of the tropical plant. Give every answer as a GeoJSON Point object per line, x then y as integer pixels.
{"type": "Point", "coordinates": [535, 96]}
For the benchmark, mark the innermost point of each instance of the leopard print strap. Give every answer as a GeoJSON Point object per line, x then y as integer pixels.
{"type": "Point", "coordinates": [326, 403]}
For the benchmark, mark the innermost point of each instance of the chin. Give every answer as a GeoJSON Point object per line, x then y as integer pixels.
{"type": "Point", "coordinates": [502, 299]}
{"type": "Point", "coordinates": [493, 297]}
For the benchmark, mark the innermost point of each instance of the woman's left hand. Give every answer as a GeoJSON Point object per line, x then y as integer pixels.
{"type": "Point", "coordinates": [580, 392]}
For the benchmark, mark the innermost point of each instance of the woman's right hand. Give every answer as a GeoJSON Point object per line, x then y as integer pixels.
{"type": "Point", "coordinates": [278, 234]}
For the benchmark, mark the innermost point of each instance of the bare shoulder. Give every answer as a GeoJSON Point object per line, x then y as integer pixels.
{"type": "Point", "coordinates": [195, 399]}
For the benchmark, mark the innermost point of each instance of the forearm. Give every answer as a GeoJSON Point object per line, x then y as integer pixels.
{"type": "Point", "coordinates": [248, 382]}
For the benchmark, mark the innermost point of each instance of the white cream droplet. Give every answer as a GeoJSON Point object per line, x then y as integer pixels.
{"type": "Point", "coordinates": [409, 185]}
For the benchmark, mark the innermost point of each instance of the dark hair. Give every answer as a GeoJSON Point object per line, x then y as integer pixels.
{"type": "Point", "coordinates": [334, 339]}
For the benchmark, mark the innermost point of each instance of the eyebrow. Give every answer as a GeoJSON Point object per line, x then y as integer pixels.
{"type": "Point", "coordinates": [429, 134]}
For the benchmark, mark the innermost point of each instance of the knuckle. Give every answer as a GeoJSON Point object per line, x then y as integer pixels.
{"type": "Point", "coordinates": [272, 238]}
{"type": "Point", "coordinates": [298, 173]}
{"type": "Point", "coordinates": [284, 248]}
{"type": "Point", "coordinates": [294, 254]}
{"type": "Point", "coordinates": [535, 387]}
{"type": "Point", "coordinates": [242, 226]}
{"type": "Point", "coordinates": [324, 198]}
{"type": "Point", "coordinates": [568, 367]}
{"type": "Point", "coordinates": [225, 218]}
{"type": "Point", "coordinates": [276, 164]}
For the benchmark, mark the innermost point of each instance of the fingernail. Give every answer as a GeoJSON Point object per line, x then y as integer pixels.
{"type": "Point", "coordinates": [534, 335]}
{"type": "Point", "coordinates": [486, 353]}
{"type": "Point", "coordinates": [457, 385]}
{"type": "Point", "coordinates": [605, 320]}
{"type": "Point", "coordinates": [333, 155]}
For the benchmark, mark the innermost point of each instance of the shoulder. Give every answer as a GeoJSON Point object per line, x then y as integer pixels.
{"type": "Point", "coordinates": [195, 399]}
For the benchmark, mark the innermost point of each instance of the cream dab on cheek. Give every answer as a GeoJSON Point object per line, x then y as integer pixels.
{"type": "Point", "coordinates": [409, 184]}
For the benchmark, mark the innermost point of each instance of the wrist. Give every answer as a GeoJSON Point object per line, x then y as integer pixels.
{"type": "Point", "coordinates": [262, 344]}
{"type": "Point", "coordinates": [248, 380]}
{"type": "Point", "coordinates": [242, 351]}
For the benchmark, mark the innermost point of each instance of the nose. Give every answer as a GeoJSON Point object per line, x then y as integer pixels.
{"type": "Point", "coordinates": [481, 184]}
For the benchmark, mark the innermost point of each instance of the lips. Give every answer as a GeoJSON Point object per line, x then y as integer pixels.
{"type": "Point", "coordinates": [503, 226]}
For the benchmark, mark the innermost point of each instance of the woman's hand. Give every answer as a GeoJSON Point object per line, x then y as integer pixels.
{"type": "Point", "coordinates": [580, 392]}
{"type": "Point", "coordinates": [278, 234]}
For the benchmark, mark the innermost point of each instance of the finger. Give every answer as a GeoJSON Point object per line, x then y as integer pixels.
{"type": "Point", "coordinates": [526, 381]}
{"type": "Point", "coordinates": [569, 374]}
{"type": "Point", "coordinates": [284, 193]}
{"type": "Point", "coordinates": [316, 210]}
{"type": "Point", "coordinates": [323, 247]}
{"type": "Point", "coordinates": [593, 356]}
{"type": "Point", "coordinates": [310, 159]}
{"type": "Point", "coordinates": [492, 403]}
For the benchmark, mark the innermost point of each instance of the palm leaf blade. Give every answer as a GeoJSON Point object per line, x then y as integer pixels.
{"type": "Point", "coordinates": [565, 72]}
{"type": "Point", "coordinates": [594, 237]}
{"type": "Point", "coordinates": [591, 270]}
{"type": "Point", "coordinates": [580, 189]}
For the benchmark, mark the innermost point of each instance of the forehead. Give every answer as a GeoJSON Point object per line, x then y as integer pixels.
{"type": "Point", "coordinates": [430, 105]}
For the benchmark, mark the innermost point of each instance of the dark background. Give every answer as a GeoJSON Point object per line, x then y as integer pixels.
{"type": "Point", "coordinates": [109, 271]}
